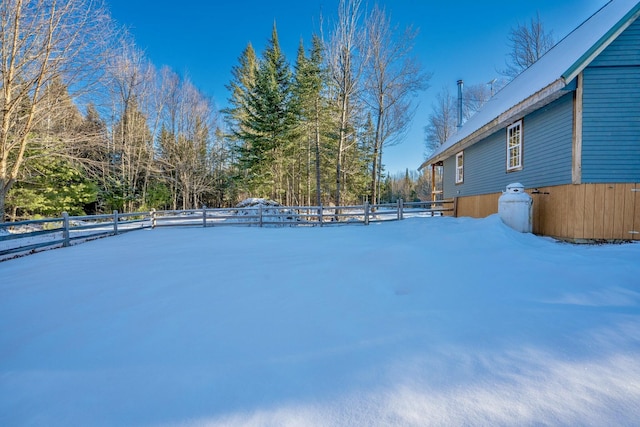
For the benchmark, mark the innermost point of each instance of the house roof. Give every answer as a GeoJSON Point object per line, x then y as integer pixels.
{"type": "Point", "coordinates": [546, 80]}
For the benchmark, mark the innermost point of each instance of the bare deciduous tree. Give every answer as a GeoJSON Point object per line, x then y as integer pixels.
{"type": "Point", "coordinates": [185, 142]}
{"type": "Point", "coordinates": [132, 87]}
{"type": "Point", "coordinates": [442, 120]}
{"type": "Point", "coordinates": [41, 41]}
{"type": "Point", "coordinates": [346, 59]}
{"type": "Point", "coordinates": [394, 78]}
{"type": "Point", "coordinates": [527, 44]}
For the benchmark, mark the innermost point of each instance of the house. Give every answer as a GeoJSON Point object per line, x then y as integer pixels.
{"type": "Point", "coordinates": [568, 128]}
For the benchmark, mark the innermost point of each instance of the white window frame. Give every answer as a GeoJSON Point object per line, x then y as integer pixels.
{"type": "Point", "coordinates": [514, 146]}
{"type": "Point", "coordinates": [460, 167]}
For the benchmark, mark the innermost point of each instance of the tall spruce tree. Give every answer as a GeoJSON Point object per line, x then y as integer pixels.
{"type": "Point", "coordinates": [241, 85]}
{"type": "Point", "coordinates": [243, 82]}
{"type": "Point", "coordinates": [269, 126]}
{"type": "Point", "coordinates": [310, 79]}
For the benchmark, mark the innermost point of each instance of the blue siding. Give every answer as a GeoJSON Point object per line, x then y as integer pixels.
{"type": "Point", "coordinates": [611, 129]}
{"type": "Point", "coordinates": [624, 50]}
{"type": "Point", "coordinates": [611, 112]}
{"type": "Point", "coordinates": [547, 141]}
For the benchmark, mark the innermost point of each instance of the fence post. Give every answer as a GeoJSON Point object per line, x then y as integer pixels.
{"type": "Point", "coordinates": [204, 216]}
{"type": "Point", "coordinates": [115, 222]}
{"type": "Point", "coordinates": [401, 208]}
{"type": "Point", "coordinates": [65, 230]}
{"type": "Point", "coordinates": [320, 214]}
{"type": "Point", "coordinates": [153, 218]}
{"type": "Point", "coordinates": [366, 213]}
{"type": "Point", "coordinates": [260, 213]}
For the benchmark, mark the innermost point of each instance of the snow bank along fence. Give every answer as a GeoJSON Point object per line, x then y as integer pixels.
{"type": "Point", "coordinates": [29, 236]}
{"type": "Point", "coordinates": [293, 216]}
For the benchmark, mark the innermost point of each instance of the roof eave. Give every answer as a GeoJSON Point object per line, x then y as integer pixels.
{"type": "Point", "coordinates": [532, 103]}
{"type": "Point", "coordinates": [601, 44]}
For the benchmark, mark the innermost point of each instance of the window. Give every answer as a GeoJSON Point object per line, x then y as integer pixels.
{"type": "Point", "coordinates": [514, 146]}
{"type": "Point", "coordinates": [460, 167]}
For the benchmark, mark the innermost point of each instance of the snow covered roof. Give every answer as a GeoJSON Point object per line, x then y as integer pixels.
{"type": "Point", "coordinates": [545, 80]}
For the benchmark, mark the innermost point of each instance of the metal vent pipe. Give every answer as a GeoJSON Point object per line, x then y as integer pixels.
{"type": "Point", "coordinates": [460, 86]}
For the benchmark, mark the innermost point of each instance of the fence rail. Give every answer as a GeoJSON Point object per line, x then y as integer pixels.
{"type": "Point", "coordinates": [23, 237]}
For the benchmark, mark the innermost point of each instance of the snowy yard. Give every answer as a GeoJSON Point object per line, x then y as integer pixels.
{"type": "Point", "coordinates": [427, 321]}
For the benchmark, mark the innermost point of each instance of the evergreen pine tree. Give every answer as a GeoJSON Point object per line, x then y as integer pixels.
{"type": "Point", "coordinates": [269, 127]}
{"type": "Point", "coordinates": [244, 78]}
{"type": "Point", "coordinates": [310, 80]}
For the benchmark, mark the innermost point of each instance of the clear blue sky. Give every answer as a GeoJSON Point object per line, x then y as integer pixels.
{"type": "Point", "coordinates": [464, 39]}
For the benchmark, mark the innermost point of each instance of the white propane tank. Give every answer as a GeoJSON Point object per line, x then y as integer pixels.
{"type": "Point", "coordinates": [515, 208]}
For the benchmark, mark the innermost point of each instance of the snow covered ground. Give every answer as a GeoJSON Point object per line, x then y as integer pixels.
{"type": "Point", "coordinates": [427, 321]}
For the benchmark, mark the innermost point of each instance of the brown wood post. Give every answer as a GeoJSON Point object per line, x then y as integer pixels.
{"type": "Point", "coordinates": [260, 214]}
{"type": "Point", "coordinates": [115, 222]}
{"type": "Point", "coordinates": [65, 230]}
{"type": "Point", "coordinates": [204, 216]}
{"type": "Point", "coordinates": [433, 182]}
{"type": "Point", "coordinates": [320, 215]}
{"type": "Point", "coordinates": [153, 218]}
{"type": "Point", "coordinates": [576, 146]}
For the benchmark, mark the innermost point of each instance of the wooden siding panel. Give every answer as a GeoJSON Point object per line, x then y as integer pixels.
{"type": "Point", "coordinates": [598, 212]}
{"type": "Point", "coordinates": [545, 203]}
{"type": "Point", "coordinates": [579, 213]}
{"type": "Point", "coordinates": [618, 212]}
{"type": "Point", "coordinates": [562, 200]}
{"type": "Point", "coordinates": [609, 209]}
{"type": "Point", "coordinates": [565, 223]}
{"type": "Point", "coordinates": [627, 224]}
{"type": "Point", "coordinates": [589, 203]}
{"type": "Point", "coordinates": [553, 221]}
{"type": "Point", "coordinates": [489, 205]}
{"type": "Point", "coordinates": [611, 129]}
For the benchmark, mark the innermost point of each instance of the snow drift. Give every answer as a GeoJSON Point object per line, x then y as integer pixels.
{"type": "Point", "coordinates": [427, 321]}
{"type": "Point", "coordinates": [270, 210]}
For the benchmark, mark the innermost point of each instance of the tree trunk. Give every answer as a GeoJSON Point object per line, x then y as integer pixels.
{"type": "Point", "coordinates": [317, 141]}
{"type": "Point", "coordinates": [341, 143]}
{"type": "Point", "coordinates": [377, 146]}
{"type": "Point", "coordinates": [4, 190]}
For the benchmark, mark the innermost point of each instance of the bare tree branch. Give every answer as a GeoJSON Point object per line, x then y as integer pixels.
{"type": "Point", "coordinates": [527, 43]}
{"type": "Point", "coordinates": [42, 41]}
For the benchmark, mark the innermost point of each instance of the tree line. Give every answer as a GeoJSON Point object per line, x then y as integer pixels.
{"type": "Point", "coordinates": [314, 132]}
{"type": "Point", "coordinates": [88, 124]}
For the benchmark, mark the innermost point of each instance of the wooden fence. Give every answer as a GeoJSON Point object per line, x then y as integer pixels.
{"type": "Point", "coordinates": [23, 237]}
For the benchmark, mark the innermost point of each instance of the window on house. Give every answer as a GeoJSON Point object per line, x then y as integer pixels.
{"type": "Point", "coordinates": [514, 146]}
{"type": "Point", "coordinates": [460, 167]}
